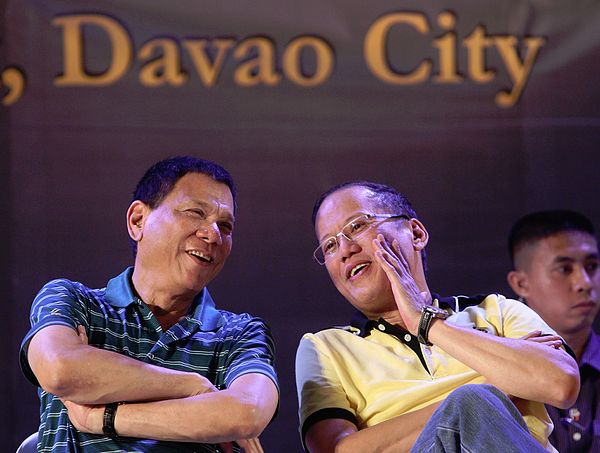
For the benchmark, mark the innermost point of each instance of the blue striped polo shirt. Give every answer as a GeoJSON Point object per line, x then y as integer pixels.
{"type": "Point", "coordinates": [217, 344]}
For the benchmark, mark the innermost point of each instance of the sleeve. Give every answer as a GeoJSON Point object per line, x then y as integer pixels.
{"type": "Point", "coordinates": [321, 394]}
{"type": "Point", "coordinates": [57, 303]}
{"type": "Point", "coordinates": [253, 351]}
{"type": "Point", "coordinates": [520, 320]}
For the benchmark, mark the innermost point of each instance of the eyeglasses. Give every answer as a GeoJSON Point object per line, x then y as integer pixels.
{"type": "Point", "coordinates": [351, 231]}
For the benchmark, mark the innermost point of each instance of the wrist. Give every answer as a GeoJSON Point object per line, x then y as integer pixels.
{"type": "Point", "coordinates": [108, 419]}
{"type": "Point", "coordinates": [429, 314]}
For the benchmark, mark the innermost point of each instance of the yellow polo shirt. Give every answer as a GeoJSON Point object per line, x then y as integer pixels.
{"type": "Point", "coordinates": [373, 371]}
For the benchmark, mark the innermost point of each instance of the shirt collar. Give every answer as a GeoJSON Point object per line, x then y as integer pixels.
{"type": "Point", "coordinates": [120, 294]}
{"type": "Point", "coordinates": [365, 325]}
{"type": "Point", "coordinates": [591, 354]}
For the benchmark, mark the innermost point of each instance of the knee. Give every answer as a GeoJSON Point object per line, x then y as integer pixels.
{"type": "Point", "coordinates": [475, 393]}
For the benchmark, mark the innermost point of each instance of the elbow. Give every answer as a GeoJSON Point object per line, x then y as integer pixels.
{"type": "Point", "coordinates": [57, 377]}
{"type": "Point", "coordinates": [567, 389]}
{"type": "Point", "coordinates": [252, 415]}
{"type": "Point", "coordinates": [252, 421]}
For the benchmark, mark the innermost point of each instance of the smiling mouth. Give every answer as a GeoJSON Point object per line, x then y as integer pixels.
{"type": "Point", "coordinates": [200, 256]}
{"type": "Point", "coordinates": [358, 269]}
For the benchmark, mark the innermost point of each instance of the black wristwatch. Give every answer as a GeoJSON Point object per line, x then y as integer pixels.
{"type": "Point", "coordinates": [428, 314]}
{"type": "Point", "coordinates": [108, 420]}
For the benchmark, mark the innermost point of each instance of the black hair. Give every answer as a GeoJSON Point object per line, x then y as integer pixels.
{"type": "Point", "coordinates": [159, 180]}
{"type": "Point", "coordinates": [540, 225]}
{"type": "Point", "coordinates": [386, 196]}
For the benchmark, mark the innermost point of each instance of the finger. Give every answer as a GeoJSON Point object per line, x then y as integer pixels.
{"type": "Point", "coordinates": [394, 254]}
{"type": "Point", "coordinates": [385, 253]}
{"type": "Point", "coordinates": [251, 445]}
{"type": "Point", "coordinates": [530, 335]}
{"type": "Point", "coordinates": [82, 334]}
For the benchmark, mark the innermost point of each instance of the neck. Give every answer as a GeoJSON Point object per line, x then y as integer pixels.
{"type": "Point", "coordinates": [167, 307]}
{"type": "Point", "coordinates": [577, 341]}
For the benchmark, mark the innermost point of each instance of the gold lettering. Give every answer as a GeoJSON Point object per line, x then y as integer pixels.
{"type": "Point", "coordinates": [208, 70]}
{"type": "Point", "coordinates": [257, 68]}
{"type": "Point", "coordinates": [446, 46]}
{"type": "Point", "coordinates": [14, 80]}
{"type": "Point", "coordinates": [74, 72]}
{"type": "Point", "coordinates": [375, 49]}
{"type": "Point", "coordinates": [476, 43]}
{"type": "Point", "coordinates": [518, 70]}
{"type": "Point", "coordinates": [164, 68]}
{"type": "Point", "coordinates": [292, 61]}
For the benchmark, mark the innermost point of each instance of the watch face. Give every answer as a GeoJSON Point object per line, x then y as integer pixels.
{"type": "Point", "coordinates": [437, 312]}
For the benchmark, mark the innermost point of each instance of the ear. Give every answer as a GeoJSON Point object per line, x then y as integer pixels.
{"type": "Point", "coordinates": [419, 233]}
{"type": "Point", "coordinates": [519, 283]}
{"type": "Point", "coordinates": [136, 216]}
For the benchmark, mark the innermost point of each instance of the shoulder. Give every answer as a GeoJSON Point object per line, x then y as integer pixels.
{"type": "Point", "coordinates": [67, 290]}
{"type": "Point", "coordinates": [243, 325]}
{"type": "Point", "coordinates": [491, 302]}
{"type": "Point", "coordinates": [327, 340]}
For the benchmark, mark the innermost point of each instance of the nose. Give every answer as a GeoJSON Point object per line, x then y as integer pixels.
{"type": "Point", "coordinates": [347, 247]}
{"type": "Point", "coordinates": [210, 233]}
{"type": "Point", "coordinates": [582, 280]}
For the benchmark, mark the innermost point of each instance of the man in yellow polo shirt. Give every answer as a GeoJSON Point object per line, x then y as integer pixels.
{"type": "Point", "coordinates": [400, 377]}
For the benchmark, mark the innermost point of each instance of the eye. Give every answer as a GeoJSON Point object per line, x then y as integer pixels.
{"type": "Point", "coordinates": [329, 245]}
{"type": "Point", "coordinates": [198, 213]}
{"type": "Point", "coordinates": [357, 226]}
{"type": "Point", "coordinates": [565, 269]}
{"type": "Point", "coordinates": [226, 227]}
{"type": "Point", "coordinates": [591, 267]}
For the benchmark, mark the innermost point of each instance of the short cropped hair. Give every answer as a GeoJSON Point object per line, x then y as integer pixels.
{"type": "Point", "coordinates": [159, 180]}
{"type": "Point", "coordinates": [385, 196]}
{"type": "Point", "coordinates": [540, 225]}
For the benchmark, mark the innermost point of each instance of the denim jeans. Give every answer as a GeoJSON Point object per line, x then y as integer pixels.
{"type": "Point", "coordinates": [476, 419]}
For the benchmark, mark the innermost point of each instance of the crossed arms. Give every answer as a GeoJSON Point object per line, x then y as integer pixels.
{"type": "Point", "coordinates": [169, 404]}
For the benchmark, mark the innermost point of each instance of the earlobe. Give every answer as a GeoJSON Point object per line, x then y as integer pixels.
{"type": "Point", "coordinates": [519, 283]}
{"type": "Point", "coordinates": [136, 215]}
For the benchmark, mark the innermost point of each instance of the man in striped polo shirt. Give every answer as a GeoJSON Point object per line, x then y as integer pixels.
{"type": "Point", "coordinates": [148, 363]}
{"type": "Point", "coordinates": [410, 372]}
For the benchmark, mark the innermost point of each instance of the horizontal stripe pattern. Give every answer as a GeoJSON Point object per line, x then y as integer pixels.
{"type": "Point", "coordinates": [217, 344]}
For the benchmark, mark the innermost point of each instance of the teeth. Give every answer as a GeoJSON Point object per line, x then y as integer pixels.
{"type": "Point", "coordinates": [200, 255]}
{"type": "Point", "coordinates": [357, 269]}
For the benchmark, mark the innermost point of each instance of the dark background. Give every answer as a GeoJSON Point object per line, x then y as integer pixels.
{"type": "Point", "coordinates": [70, 156]}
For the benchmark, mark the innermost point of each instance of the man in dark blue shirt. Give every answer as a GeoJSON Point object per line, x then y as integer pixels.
{"type": "Point", "coordinates": [148, 363]}
{"type": "Point", "coordinates": [555, 271]}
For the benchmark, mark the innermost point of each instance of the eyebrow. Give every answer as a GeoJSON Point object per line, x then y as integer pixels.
{"type": "Point", "coordinates": [568, 259]}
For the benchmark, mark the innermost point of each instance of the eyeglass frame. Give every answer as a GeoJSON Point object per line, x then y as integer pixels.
{"type": "Point", "coordinates": [382, 217]}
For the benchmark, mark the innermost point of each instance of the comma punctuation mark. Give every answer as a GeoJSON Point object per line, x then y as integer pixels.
{"type": "Point", "coordinates": [12, 85]}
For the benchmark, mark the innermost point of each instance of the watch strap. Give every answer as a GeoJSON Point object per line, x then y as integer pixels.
{"type": "Point", "coordinates": [108, 419]}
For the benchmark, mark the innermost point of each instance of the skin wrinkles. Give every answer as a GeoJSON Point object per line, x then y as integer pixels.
{"type": "Point", "coordinates": [197, 216]}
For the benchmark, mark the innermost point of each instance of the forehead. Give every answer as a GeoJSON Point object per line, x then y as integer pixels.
{"type": "Point", "coordinates": [575, 245]}
{"type": "Point", "coordinates": [341, 206]}
{"type": "Point", "coordinates": [200, 188]}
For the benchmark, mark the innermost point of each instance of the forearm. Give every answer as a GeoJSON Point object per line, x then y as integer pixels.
{"type": "Point", "coordinates": [211, 418]}
{"type": "Point", "coordinates": [89, 375]}
{"type": "Point", "coordinates": [522, 368]}
{"type": "Point", "coordinates": [391, 436]}
{"type": "Point", "coordinates": [241, 412]}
